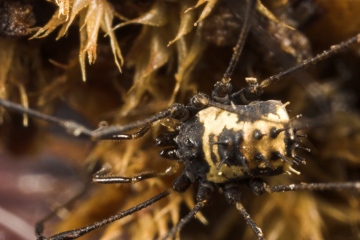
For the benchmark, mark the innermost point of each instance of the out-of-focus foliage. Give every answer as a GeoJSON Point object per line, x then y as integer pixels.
{"type": "Point", "coordinates": [170, 50]}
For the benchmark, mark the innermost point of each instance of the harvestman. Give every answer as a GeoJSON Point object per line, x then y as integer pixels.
{"type": "Point", "coordinates": [256, 139]}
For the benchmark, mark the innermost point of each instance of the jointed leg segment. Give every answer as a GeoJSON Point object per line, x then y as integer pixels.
{"type": "Point", "coordinates": [108, 179]}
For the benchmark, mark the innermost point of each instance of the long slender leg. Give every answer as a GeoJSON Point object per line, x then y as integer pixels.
{"type": "Point", "coordinates": [355, 186]}
{"type": "Point", "coordinates": [177, 111]}
{"type": "Point", "coordinates": [185, 220]}
{"type": "Point", "coordinates": [259, 187]}
{"type": "Point", "coordinates": [224, 87]}
{"type": "Point", "coordinates": [76, 233]}
{"type": "Point", "coordinates": [118, 179]}
{"type": "Point", "coordinates": [203, 197]}
{"type": "Point", "coordinates": [39, 227]}
{"type": "Point", "coordinates": [135, 135]}
{"type": "Point", "coordinates": [233, 196]}
{"type": "Point", "coordinates": [320, 57]}
{"type": "Point", "coordinates": [250, 221]}
{"type": "Point", "coordinates": [252, 92]}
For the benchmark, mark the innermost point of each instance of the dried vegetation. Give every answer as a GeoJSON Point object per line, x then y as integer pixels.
{"type": "Point", "coordinates": [144, 55]}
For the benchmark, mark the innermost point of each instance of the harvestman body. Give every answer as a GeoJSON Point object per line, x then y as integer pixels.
{"type": "Point", "coordinates": [224, 141]}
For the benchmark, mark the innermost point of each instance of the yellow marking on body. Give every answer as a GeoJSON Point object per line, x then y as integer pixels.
{"type": "Point", "coordinates": [215, 120]}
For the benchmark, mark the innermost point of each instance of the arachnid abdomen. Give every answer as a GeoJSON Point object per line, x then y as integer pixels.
{"type": "Point", "coordinates": [240, 142]}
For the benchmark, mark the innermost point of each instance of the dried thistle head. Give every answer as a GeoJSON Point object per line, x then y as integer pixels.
{"type": "Point", "coordinates": [92, 16]}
